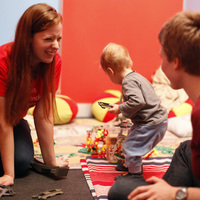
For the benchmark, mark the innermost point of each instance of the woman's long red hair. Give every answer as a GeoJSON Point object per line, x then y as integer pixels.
{"type": "Point", "coordinates": [35, 19]}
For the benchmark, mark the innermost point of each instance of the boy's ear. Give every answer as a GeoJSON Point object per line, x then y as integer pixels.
{"type": "Point", "coordinates": [177, 64]}
{"type": "Point", "coordinates": [110, 71]}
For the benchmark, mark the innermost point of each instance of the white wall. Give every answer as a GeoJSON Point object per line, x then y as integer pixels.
{"type": "Point", "coordinates": [11, 11]}
{"type": "Point", "coordinates": [191, 5]}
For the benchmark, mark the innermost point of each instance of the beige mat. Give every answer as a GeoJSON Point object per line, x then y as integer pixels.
{"type": "Point", "coordinates": [69, 138]}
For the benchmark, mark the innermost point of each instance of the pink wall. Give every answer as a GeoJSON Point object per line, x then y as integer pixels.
{"type": "Point", "coordinates": [89, 25]}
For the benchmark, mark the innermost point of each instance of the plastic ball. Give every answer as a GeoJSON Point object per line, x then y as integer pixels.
{"type": "Point", "coordinates": [181, 110]}
{"type": "Point", "coordinates": [109, 96]}
{"type": "Point", "coordinates": [67, 110]}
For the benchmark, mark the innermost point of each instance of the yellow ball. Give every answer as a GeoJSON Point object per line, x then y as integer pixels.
{"type": "Point", "coordinates": [66, 107]}
{"type": "Point", "coordinates": [181, 110]}
{"type": "Point", "coordinates": [109, 96]}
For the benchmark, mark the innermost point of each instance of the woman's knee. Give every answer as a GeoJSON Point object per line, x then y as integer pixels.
{"type": "Point", "coordinates": [24, 152]}
{"type": "Point", "coordinates": [23, 163]}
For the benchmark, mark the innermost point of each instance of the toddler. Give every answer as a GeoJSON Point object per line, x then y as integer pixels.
{"type": "Point", "coordinates": [140, 104]}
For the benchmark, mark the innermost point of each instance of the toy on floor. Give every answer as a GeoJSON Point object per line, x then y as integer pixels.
{"type": "Point", "coordinates": [6, 191]}
{"type": "Point", "coordinates": [72, 155]}
{"type": "Point", "coordinates": [165, 150]}
{"type": "Point", "coordinates": [117, 134]}
{"type": "Point", "coordinates": [95, 142]}
{"type": "Point", "coordinates": [114, 148]}
{"type": "Point", "coordinates": [106, 141]}
{"type": "Point", "coordinates": [47, 194]}
{"type": "Point", "coordinates": [48, 169]}
{"type": "Point", "coordinates": [153, 151]}
{"type": "Point", "coordinates": [124, 124]}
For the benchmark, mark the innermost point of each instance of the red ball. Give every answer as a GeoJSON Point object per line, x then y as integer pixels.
{"type": "Point", "coordinates": [109, 96]}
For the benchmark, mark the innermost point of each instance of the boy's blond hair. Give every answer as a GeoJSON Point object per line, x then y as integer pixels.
{"type": "Point", "coordinates": [180, 38]}
{"type": "Point", "coordinates": [116, 57]}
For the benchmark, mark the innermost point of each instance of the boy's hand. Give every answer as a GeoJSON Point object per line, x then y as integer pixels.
{"type": "Point", "coordinates": [159, 189]}
{"type": "Point", "coordinates": [115, 109]}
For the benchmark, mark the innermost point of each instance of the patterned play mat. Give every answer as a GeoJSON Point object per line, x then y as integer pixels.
{"type": "Point", "coordinates": [99, 173]}
{"type": "Point", "coordinates": [67, 139]}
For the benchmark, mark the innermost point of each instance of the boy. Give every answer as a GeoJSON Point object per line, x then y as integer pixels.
{"type": "Point", "coordinates": [180, 53]}
{"type": "Point", "coordinates": [141, 105]}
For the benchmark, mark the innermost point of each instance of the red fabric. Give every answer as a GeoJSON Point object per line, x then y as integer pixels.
{"type": "Point", "coordinates": [4, 62]}
{"type": "Point", "coordinates": [100, 174]}
{"type": "Point", "coordinates": [195, 142]}
{"type": "Point", "coordinates": [37, 84]}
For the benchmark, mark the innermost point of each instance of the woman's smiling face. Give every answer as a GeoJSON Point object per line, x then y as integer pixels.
{"type": "Point", "coordinates": [46, 43]}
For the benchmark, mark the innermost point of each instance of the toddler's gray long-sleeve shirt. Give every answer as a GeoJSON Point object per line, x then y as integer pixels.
{"type": "Point", "coordinates": [141, 104]}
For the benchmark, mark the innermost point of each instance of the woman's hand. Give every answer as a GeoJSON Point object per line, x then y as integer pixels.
{"type": "Point", "coordinates": [159, 189]}
{"type": "Point", "coordinates": [6, 180]}
{"type": "Point", "coordinates": [62, 161]}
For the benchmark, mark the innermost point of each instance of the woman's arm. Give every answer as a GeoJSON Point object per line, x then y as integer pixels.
{"type": "Point", "coordinates": [6, 147]}
{"type": "Point", "coordinates": [44, 131]}
{"type": "Point", "coordinates": [45, 134]}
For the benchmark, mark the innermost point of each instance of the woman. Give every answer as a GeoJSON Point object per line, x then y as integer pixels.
{"type": "Point", "coordinates": [29, 75]}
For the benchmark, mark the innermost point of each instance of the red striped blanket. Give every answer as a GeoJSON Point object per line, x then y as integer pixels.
{"type": "Point", "coordinates": [100, 174]}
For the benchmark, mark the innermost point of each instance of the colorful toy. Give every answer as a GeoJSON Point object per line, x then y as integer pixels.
{"type": "Point", "coordinates": [117, 135]}
{"type": "Point", "coordinates": [96, 142]}
{"type": "Point", "coordinates": [109, 97]}
{"type": "Point", "coordinates": [114, 148]}
{"type": "Point", "coordinates": [149, 154]}
{"type": "Point", "coordinates": [72, 155]}
{"type": "Point", "coordinates": [67, 109]}
{"type": "Point", "coordinates": [165, 150]}
{"type": "Point", "coordinates": [106, 141]}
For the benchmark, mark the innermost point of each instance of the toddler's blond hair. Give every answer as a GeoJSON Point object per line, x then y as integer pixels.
{"type": "Point", "coordinates": [116, 57]}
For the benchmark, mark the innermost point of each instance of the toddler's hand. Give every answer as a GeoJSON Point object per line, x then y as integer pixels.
{"type": "Point", "coordinates": [115, 109]}
{"type": "Point", "coordinates": [6, 180]}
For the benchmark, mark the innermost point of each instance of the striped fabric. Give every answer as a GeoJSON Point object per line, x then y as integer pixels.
{"type": "Point", "coordinates": [99, 173]}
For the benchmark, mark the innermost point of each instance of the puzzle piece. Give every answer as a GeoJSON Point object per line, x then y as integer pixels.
{"type": "Point", "coordinates": [6, 191]}
{"type": "Point", "coordinates": [47, 194]}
